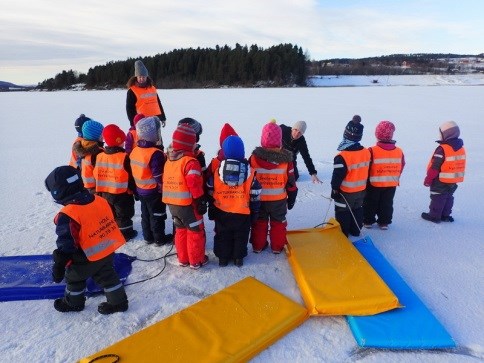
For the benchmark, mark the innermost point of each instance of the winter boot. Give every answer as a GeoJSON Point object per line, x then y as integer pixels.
{"type": "Point", "coordinates": [63, 306]}
{"type": "Point", "coordinates": [447, 219]}
{"type": "Point", "coordinates": [223, 262]}
{"type": "Point", "coordinates": [428, 217]}
{"type": "Point", "coordinates": [106, 308]}
{"type": "Point", "coordinates": [200, 264]}
{"type": "Point", "coordinates": [239, 262]}
{"type": "Point", "coordinates": [129, 234]}
{"type": "Point", "coordinates": [165, 240]}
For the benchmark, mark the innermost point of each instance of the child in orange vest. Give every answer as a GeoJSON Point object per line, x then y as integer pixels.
{"type": "Point", "coordinates": [183, 193]}
{"type": "Point", "coordinates": [147, 164]}
{"type": "Point", "coordinates": [235, 200]}
{"type": "Point", "coordinates": [275, 172]}
{"type": "Point", "coordinates": [132, 136]}
{"type": "Point", "coordinates": [197, 128]}
{"type": "Point", "coordinates": [114, 179]}
{"type": "Point", "coordinates": [75, 160]}
{"type": "Point", "coordinates": [87, 237]}
{"type": "Point", "coordinates": [386, 166]}
{"type": "Point", "coordinates": [445, 170]}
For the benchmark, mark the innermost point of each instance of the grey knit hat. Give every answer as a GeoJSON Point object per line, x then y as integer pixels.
{"type": "Point", "coordinates": [300, 126]}
{"type": "Point", "coordinates": [140, 69]}
{"type": "Point", "coordinates": [148, 129]}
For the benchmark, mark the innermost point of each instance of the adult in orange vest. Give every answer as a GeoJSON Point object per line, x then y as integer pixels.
{"type": "Point", "coordinates": [87, 237]}
{"type": "Point", "coordinates": [386, 166]}
{"type": "Point", "coordinates": [87, 150]}
{"type": "Point", "coordinates": [142, 96]}
{"type": "Point", "coordinates": [275, 172]}
{"type": "Point", "coordinates": [348, 182]}
{"type": "Point", "coordinates": [75, 160]}
{"type": "Point", "coordinates": [184, 194]}
{"type": "Point", "coordinates": [147, 164]}
{"type": "Point", "coordinates": [445, 170]}
{"type": "Point", "coordinates": [114, 179]}
{"type": "Point", "coordinates": [235, 200]}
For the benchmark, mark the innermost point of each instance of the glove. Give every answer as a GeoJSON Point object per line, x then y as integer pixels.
{"type": "Point", "coordinates": [59, 267]}
{"type": "Point", "coordinates": [334, 194]}
{"type": "Point", "coordinates": [201, 205]}
{"type": "Point", "coordinates": [290, 205]}
{"type": "Point", "coordinates": [291, 198]}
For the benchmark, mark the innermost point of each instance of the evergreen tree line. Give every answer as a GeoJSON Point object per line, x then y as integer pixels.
{"type": "Point", "coordinates": [279, 65]}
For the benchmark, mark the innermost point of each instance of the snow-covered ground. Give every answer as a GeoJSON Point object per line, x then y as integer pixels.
{"type": "Point", "coordinates": [442, 263]}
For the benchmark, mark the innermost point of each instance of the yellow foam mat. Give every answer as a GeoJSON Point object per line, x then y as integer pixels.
{"type": "Point", "coordinates": [232, 325]}
{"type": "Point", "coordinates": [334, 278]}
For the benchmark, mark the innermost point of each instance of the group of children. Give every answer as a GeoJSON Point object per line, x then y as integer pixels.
{"type": "Point", "coordinates": [247, 198]}
{"type": "Point", "coordinates": [364, 180]}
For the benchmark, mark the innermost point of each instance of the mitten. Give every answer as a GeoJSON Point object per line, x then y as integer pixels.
{"type": "Point", "coordinates": [59, 268]}
{"type": "Point", "coordinates": [334, 194]}
{"type": "Point", "coordinates": [431, 175]}
{"type": "Point", "coordinates": [291, 199]}
{"type": "Point", "coordinates": [201, 205]}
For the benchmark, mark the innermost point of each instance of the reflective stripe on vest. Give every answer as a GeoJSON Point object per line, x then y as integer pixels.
{"type": "Point", "coordinates": [232, 199]}
{"type": "Point", "coordinates": [140, 167]}
{"type": "Point", "coordinates": [453, 167]}
{"type": "Point", "coordinates": [175, 188]}
{"type": "Point", "coordinates": [386, 167]}
{"type": "Point", "coordinates": [273, 181]}
{"type": "Point", "coordinates": [146, 100]}
{"type": "Point", "coordinates": [87, 172]}
{"type": "Point", "coordinates": [357, 164]}
{"type": "Point", "coordinates": [99, 235]}
{"type": "Point", "coordinates": [109, 172]}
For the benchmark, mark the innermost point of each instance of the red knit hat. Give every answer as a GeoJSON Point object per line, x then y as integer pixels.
{"type": "Point", "coordinates": [113, 135]}
{"type": "Point", "coordinates": [384, 131]}
{"type": "Point", "coordinates": [184, 138]}
{"type": "Point", "coordinates": [271, 135]}
{"type": "Point", "coordinates": [226, 131]}
{"type": "Point", "coordinates": [138, 117]}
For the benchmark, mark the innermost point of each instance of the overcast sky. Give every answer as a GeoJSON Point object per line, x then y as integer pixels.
{"type": "Point", "coordinates": [39, 39]}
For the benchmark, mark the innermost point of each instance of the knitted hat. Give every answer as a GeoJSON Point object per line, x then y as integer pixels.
{"type": "Point", "coordinates": [113, 135]}
{"type": "Point", "coordinates": [138, 117]}
{"type": "Point", "coordinates": [449, 130]}
{"type": "Point", "coordinates": [384, 131]}
{"type": "Point", "coordinates": [148, 129]}
{"type": "Point", "coordinates": [92, 130]}
{"type": "Point", "coordinates": [140, 69]}
{"type": "Point", "coordinates": [184, 138]}
{"type": "Point", "coordinates": [233, 148]}
{"type": "Point", "coordinates": [300, 126]}
{"type": "Point", "coordinates": [356, 119]}
{"type": "Point", "coordinates": [271, 135]}
{"type": "Point", "coordinates": [353, 131]}
{"type": "Point", "coordinates": [194, 124]}
{"type": "Point", "coordinates": [79, 122]}
{"type": "Point", "coordinates": [64, 182]}
{"type": "Point", "coordinates": [226, 131]}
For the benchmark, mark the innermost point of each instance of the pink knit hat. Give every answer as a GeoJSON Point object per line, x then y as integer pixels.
{"type": "Point", "coordinates": [384, 131]}
{"type": "Point", "coordinates": [271, 135]}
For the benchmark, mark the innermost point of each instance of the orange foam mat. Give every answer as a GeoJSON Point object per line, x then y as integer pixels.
{"type": "Point", "coordinates": [333, 277]}
{"type": "Point", "coordinates": [233, 325]}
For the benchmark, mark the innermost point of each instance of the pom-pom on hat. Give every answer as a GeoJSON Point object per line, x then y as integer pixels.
{"type": "Point", "coordinates": [227, 130]}
{"type": "Point", "coordinates": [449, 130]}
{"type": "Point", "coordinates": [384, 131]}
{"type": "Point", "coordinates": [300, 126]}
{"type": "Point", "coordinates": [271, 135]}
{"type": "Point", "coordinates": [148, 129]}
{"type": "Point", "coordinates": [113, 135]}
{"type": "Point", "coordinates": [194, 124]}
{"type": "Point", "coordinates": [233, 148]}
{"type": "Point", "coordinates": [79, 122]}
{"type": "Point", "coordinates": [184, 138]}
{"type": "Point", "coordinates": [353, 131]}
{"type": "Point", "coordinates": [64, 182]}
{"type": "Point", "coordinates": [92, 130]}
{"type": "Point", "coordinates": [140, 69]}
{"type": "Point", "coordinates": [137, 117]}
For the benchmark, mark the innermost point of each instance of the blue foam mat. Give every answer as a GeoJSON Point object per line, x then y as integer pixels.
{"type": "Point", "coordinates": [411, 327]}
{"type": "Point", "coordinates": [30, 277]}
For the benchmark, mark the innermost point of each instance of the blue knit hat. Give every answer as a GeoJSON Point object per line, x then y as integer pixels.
{"type": "Point", "coordinates": [92, 130]}
{"type": "Point", "coordinates": [233, 148]}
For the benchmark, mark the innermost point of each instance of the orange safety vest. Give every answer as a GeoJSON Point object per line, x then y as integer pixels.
{"type": "Point", "coordinates": [386, 167]}
{"type": "Point", "coordinates": [87, 172]}
{"type": "Point", "coordinates": [140, 161]}
{"type": "Point", "coordinates": [358, 164]}
{"type": "Point", "coordinates": [134, 135]}
{"type": "Point", "coordinates": [454, 165]}
{"type": "Point", "coordinates": [175, 188]}
{"type": "Point", "coordinates": [273, 181]}
{"type": "Point", "coordinates": [99, 235]}
{"type": "Point", "coordinates": [75, 160]}
{"type": "Point", "coordinates": [110, 174]}
{"type": "Point", "coordinates": [146, 100]}
{"type": "Point", "coordinates": [232, 199]}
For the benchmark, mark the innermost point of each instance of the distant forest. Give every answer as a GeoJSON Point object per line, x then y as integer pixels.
{"type": "Point", "coordinates": [283, 65]}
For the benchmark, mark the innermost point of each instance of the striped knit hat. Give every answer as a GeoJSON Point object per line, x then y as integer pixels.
{"type": "Point", "coordinates": [184, 138]}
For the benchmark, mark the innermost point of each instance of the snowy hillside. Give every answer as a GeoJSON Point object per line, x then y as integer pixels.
{"type": "Point", "coordinates": [442, 263]}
